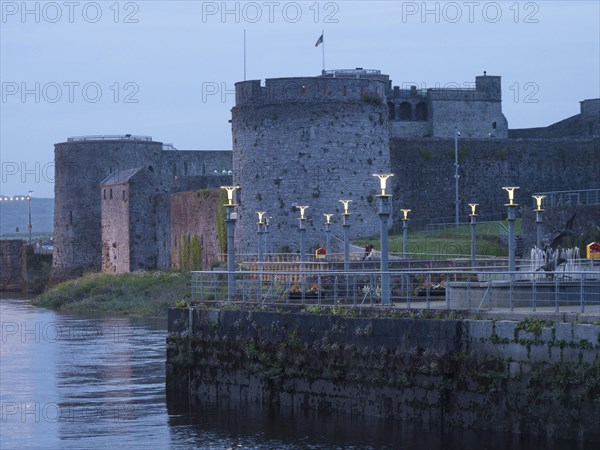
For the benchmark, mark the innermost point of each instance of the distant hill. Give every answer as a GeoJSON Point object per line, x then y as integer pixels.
{"type": "Point", "coordinates": [15, 214]}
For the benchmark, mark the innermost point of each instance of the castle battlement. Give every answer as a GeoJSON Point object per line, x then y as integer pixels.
{"type": "Point", "coordinates": [309, 90]}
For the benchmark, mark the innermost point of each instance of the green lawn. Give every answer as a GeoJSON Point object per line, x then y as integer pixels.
{"type": "Point", "coordinates": [448, 242]}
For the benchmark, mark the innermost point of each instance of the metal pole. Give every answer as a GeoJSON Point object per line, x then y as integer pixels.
{"type": "Point", "coordinates": [511, 238]}
{"type": "Point", "coordinates": [473, 242]}
{"type": "Point", "coordinates": [29, 225]}
{"type": "Point", "coordinates": [302, 237]}
{"type": "Point", "coordinates": [327, 241]}
{"type": "Point", "coordinates": [260, 247]}
{"type": "Point", "coordinates": [267, 238]}
{"type": "Point", "coordinates": [346, 227]}
{"type": "Point", "coordinates": [538, 234]}
{"type": "Point", "coordinates": [456, 176]}
{"type": "Point", "coordinates": [231, 216]}
{"type": "Point", "coordinates": [385, 204]}
{"type": "Point", "coordinates": [404, 237]}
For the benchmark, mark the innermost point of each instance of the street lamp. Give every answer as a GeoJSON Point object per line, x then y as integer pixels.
{"type": "Point", "coordinates": [385, 209]}
{"type": "Point", "coordinates": [327, 234]}
{"type": "Point", "coordinates": [512, 206]}
{"type": "Point", "coordinates": [29, 224]}
{"type": "Point", "coordinates": [302, 230]}
{"type": "Point", "coordinates": [230, 218]}
{"type": "Point", "coordinates": [260, 224]}
{"type": "Point", "coordinates": [538, 219]}
{"type": "Point", "coordinates": [473, 217]}
{"type": "Point", "coordinates": [456, 175]}
{"type": "Point", "coordinates": [405, 220]}
{"type": "Point", "coordinates": [346, 226]}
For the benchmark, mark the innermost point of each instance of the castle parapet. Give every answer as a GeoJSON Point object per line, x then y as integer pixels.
{"type": "Point", "coordinates": [310, 90]}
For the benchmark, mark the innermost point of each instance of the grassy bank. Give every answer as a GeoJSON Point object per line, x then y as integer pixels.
{"type": "Point", "coordinates": [146, 294]}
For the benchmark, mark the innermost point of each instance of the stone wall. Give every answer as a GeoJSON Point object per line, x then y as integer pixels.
{"type": "Point", "coordinates": [472, 119]}
{"type": "Point", "coordinates": [13, 272]}
{"type": "Point", "coordinates": [115, 228]}
{"type": "Point", "coordinates": [195, 213]}
{"type": "Point", "coordinates": [530, 376]}
{"type": "Point", "coordinates": [424, 169]}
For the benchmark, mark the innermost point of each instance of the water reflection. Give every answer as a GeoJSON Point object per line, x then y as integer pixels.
{"type": "Point", "coordinates": [74, 381]}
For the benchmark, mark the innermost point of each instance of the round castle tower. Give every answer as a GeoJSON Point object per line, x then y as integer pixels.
{"type": "Point", "coordinates": [309, 141]}
{"type": "Point", "coordinates": [81, 164]}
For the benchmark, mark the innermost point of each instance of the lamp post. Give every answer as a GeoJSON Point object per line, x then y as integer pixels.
{"type": "Point", "coordinates": [230, 218]}
{"type": "Point", "coordinates": [346, 226]}
{"type": "Point", "coordinates": [385, 209]}
{"type": "Point", "coordinates": [260, 224]}
{"type": "Point", "coordinates": [327, 234]}
{"type": "Point", "coordinates": [29, 224]}
{"type": "Point", "coordinates": [405, 220]}
{"type": "Point", "coordinates": [538, 219]}
{"type": "Point", "coordinates": [473, 217]}
{"type": "Point", "coordinates": [302, 230]}
{"type": "Point", "coordinates": [456, 175]}
{"type": "Point", "coordinates": [512, 207]}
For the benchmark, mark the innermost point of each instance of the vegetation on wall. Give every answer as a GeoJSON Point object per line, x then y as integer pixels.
{"type": "Point", "coordinates": [221, 224]}
{"type": "Point", "coordinates": [190, 252]}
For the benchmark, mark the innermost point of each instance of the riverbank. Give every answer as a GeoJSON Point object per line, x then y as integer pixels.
{"type": "Point", "coordinates": [145, 294]}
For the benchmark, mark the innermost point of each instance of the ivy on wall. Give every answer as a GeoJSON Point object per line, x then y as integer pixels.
{"type": "Point", "coordinates": [190, 252]}
{"type": "Point", "coordinates": [221, 224]}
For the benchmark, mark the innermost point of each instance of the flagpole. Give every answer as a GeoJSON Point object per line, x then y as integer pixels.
{"type": "Point", "coordinates": [323, 34]}
{"type": "Point", "coordinates": [244, 54]}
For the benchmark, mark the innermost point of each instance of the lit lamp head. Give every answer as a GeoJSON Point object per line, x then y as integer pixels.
{"type": "Point", "coordinates": [260, 217]}
{"type": "Point", "coordinates": [346, 204]}
{"type": "Point", "coordinates": [473, 206]}
{"type": "Point", "coordinates": [230, 190]}
{"type": "Point", "coordinates": [328, 219]}
{"type": "Point", "coordinates": [302, 209]}
{"type": "Point", "coordinates": [511, 195]}
{"type": "Point", "coordinates": [405, 214]}
{"type": "Point", "coordinates": [383, 181]}
{"type": "Point", "coordinates": [29, 195]}
{"type": "Point", "coordinates": [538, 202]}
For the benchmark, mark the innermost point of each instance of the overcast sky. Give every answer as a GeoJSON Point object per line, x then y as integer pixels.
{"type": "Point", "coordinates": [166, 68]}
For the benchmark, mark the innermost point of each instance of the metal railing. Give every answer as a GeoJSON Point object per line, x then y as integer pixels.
{"type": "Point", "coordinates": [571, 198]}
{"type": "Point", "coordinates": [567, 291]}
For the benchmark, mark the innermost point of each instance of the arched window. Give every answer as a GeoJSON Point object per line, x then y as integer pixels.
{"type": "Point", "coordinates": [422, 111]}
{"type": "Point", "coordinates": [405, 111]}
{"type": "Point", "coordinates": [391, 111]}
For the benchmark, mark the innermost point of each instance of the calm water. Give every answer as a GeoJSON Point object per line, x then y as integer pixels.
{"type": "Point", "coordinates": [91, 382]}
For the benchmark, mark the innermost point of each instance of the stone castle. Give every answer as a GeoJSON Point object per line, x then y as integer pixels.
{"type": "Point", "coordinates": [121, 202]}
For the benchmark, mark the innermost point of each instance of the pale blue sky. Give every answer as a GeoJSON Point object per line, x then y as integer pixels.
{"type": "Point", "coordinates": [547, 53]}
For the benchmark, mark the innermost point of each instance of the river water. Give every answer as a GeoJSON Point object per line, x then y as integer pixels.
{"type": "Point", "coordinates": [72, 381]}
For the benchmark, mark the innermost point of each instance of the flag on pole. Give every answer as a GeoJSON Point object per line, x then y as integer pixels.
{"type": "Point", "coordinates": [319, 41]}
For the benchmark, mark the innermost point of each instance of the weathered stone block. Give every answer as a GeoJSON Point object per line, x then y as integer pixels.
{"type": "Point", "coordinates": [547, 335]}
{"type": "Point", "coordinates": [564, 332]}
{"type": "Point", "coordinates": [586, 331]}
{"type": "Point", "coordinates": [505, 329]}
{"type": "Point", "coordinates": [480, 329]}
